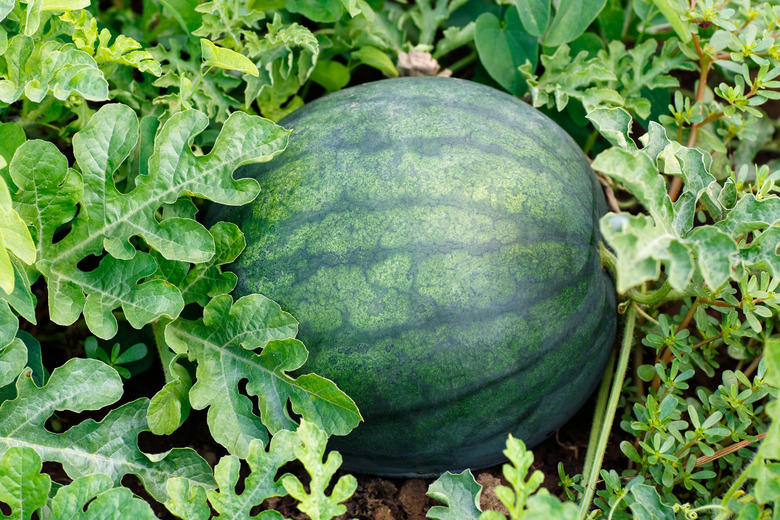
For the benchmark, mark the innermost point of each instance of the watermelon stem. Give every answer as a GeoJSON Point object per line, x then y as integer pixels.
{"type": "Point", "coordinates": [604, 427]}
{"type": "Point", "coordinates": [652, 298]}
{"type": "Point", "coordinates": [598, 413]}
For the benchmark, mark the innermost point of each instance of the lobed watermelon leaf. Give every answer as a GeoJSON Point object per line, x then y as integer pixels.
{"type": "Point", "coordinates": [315, 502]}
{"type": "Point", "coordinates": [461, 493]}
{"type": "Point", "coordinates": [285, 56]}
{"type": "Point", "coordinates": [110, 446]}
{"type": "Point", "coordinates": [39, 69]}
{"type": "Point", "coordinates": [206, 280]}
{"type": "Point", "coordinates": [26, 491]}
{"type": "Point", "coordinates": [225, 344]}
{"type": "Point", "coordinates": [22, 486]}
{"type": "Point", "coordinates": [192, 502]}
{"type": "Point", "coordinates": [108, 220]}
{"type": "Point", "coordinates": [666, 236]}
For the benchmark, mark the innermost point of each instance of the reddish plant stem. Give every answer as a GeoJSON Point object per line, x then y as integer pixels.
{"type": "Point", "coordinates": [729, 449]}
{"type": "Point", "coordinates": [704, 70]}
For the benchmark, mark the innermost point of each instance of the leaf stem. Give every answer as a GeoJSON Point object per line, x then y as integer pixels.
{"type": "Point", "coordinates": [463, 62]}
{"type": "Point", "coordinates": [652, 298]}
{"type": "Point", "coordinates": [735, 486]}
{"type": "Point", "coordinates": [701, 89]}
{"type": "Point", "coordinates": [591, 478]}
{"type": "Point", "coordinates": [165, 353]}
{"type": "Point", "coordinates": [608, 259]}
{"type": "Point", "coordinates": [598, 414]}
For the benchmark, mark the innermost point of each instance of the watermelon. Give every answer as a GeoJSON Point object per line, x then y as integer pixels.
{"type": "Point", "coordinates": [438, 242]}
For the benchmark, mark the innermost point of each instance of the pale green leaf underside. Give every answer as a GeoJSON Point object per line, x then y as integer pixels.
{"type": "Point", "coordinates": [109, 446]}
{"type": "Point", "coordinates": [460, 492]}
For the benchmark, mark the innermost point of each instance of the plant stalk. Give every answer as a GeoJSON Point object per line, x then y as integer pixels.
{"type": "Point", "coordinates": [165, 353]}
{"type": "Point", "coordinates": [591, 477]}
{"type": "Point", "coordinates": [598, 414]}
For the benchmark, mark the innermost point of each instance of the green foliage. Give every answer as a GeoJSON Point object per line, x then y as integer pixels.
{"type": "Point", "coordinates": [26, 491]}
{"type": "Point", "coordinates": [110, 446]}
{"type": "Point", "coordinates": [119, 125]}
{"type": "Point", "coordinates": [307, 444]}
{"type": "Point", "coordinates": [224, 344]}
{"type": "Point", "coordinates": [524, 500]}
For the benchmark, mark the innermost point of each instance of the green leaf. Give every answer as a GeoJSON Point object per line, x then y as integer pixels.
{"type": "Point", "coordinates": [206, 280]}
{"type": "Point", "coordinates": [535, 15]}
{"type": "Point", "coordinates": [460, 492]}
{"type": "Point", "coordinates": [11, 137]}
{"type": "Point", "coordinates": [611, 19]}
{"type": "Point", "coordinates": [21, 299]}
{"type": "Point", "coordinates": [714, 252]}
{"type": "Point", "coordinates": [215, 56]}
{"type": "Point", "coordinates": [14, 238]}
{"type": "Point", "coordinates": [772, 360]}
{"type": "Point", "coordinates": [123, 50]}
{"type": "Point", "coordinates": [674, 12]}
{"type": "Point", "coordinates": [22, 486]}
{"type": "Point", "coordinates": [643, 243]}
{"type": "Point", "coordinates": [503, 46]}
{"type": "Point", "coordinates": [224, 344]}
{"type": "Point", "coordinates": [116, 283]}
{"type": "Point", "coordinates": [614, 124]}
{"type": "Point", "coordinates": [64, 5]}
{"type": "Point", "coordinates": [184, 12]}
{"type": "Point", "coordinates": [642, 247]}
{"type": "Point", "coordinates": [311, 452]}
{"type": "Point", "coordinates": [187, 501]}
{"type": "Point", "coordinates": [49, 190]}
{"type": "Point", "coordinates": [109, 446]}
{"type": "Point", "coordinates": [750, 214]}
{"type": "Point", "coordinates": [544, 506]}
{"type": "Point", "coordinates": [13, 359]}
{"type": "Point", "coordinates": [286, 56]}
{"type": "Point", "coordinates": [51, 68]}
{"type": "Point", "coordinates": [108, 218]}
{"type": "Point", "coordinates": [169, 408]}
{"type": "Point", "coordinates": [260, 484]}
{"type": "Point", "coordinates": [94, 497]}
{"type": "Point", "coordinates": [767, 485]}
{"type": "Point", "coordinates": [373, 57]}
{"type": "Point", "coordinates": [9, 324]}
{"type": "Point", "coordinates": [571, 20]}
{"type": "Point", "coordinates": [6, 6]}
{"type": "Point", "coordinates": [645, 504]}
{"type": "Point", "coordinates": [316, 10]}
{"type": "Point", "coordinates": [330, 75]}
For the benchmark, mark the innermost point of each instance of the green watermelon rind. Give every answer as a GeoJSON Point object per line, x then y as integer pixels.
{"type": "Point", "coordinates": [438, 242]}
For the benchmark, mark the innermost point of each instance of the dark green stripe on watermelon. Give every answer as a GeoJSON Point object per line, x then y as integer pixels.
{"type": "Point", "coordinates": [438, 242]}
